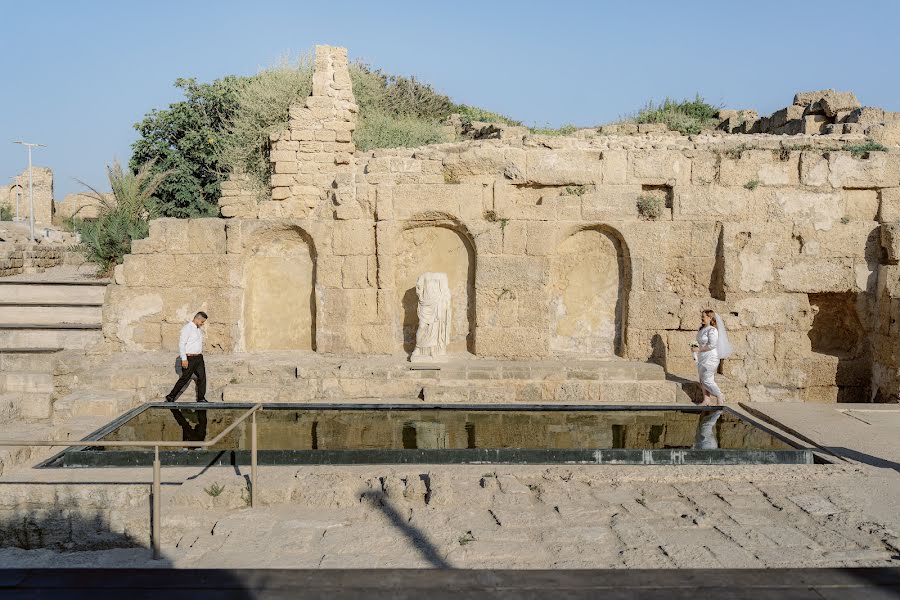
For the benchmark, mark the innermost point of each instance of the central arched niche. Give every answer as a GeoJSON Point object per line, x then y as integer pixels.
{"type": "Point", "coordinates": [279, 299]}
{"type": "Point", "coordinates": [588, 290]}
{"type": "Point", "coordinates": [437, 248]}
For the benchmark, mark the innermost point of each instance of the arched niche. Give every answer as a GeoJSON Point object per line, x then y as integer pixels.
{"type": "Point", "coordinates": [589, 285]}
{"type": "Point", "coordinates": [443, 247]}
{"type": "Point", "coordinates": [279, 291]}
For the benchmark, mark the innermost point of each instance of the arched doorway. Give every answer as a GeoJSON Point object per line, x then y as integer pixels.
{"type": "Point", "coordinates": [589, 291]}
{"type": "Point", "coordinates": [279, 297]}
{"type": "Point", "coordinates": [437, 248]}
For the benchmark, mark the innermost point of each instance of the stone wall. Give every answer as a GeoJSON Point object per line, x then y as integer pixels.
{"type": "Point", "coordinates": [27, 258]}
{"type": "Point", "coordinates": [43, 195]}
{"type": "Point", "coordinates": [547, 251]}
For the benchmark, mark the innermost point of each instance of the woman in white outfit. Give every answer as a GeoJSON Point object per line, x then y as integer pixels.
{"type": "Point", "coordinates": [713, 345]}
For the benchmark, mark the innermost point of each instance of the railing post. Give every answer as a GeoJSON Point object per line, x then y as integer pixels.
{"type": "Point", "coordinates": [253, 460]}
{"type": "Point", "coordinates": [154, 526]}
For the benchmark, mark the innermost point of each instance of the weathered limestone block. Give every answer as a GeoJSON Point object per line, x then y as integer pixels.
{"type": "Point", "coordinates": [719, 203]}
{"type": "Point", "coordinates": [763, 166]}
{"type": "Point", "coordinates": [889, 205]}
{"type": "Point", "coordinates": [540, 203]}
{"type": "Point", "coordinates": [125, 310]}
{"type": "Point", "coordinates": [751, 254]}
{"type": "Point", "coordinates": [512, 342]}
{"type": "Point", "coordinates": [563, 167]}
{"type": "Point", "coordinates": [661, 310]}
{"type": "Point", "coordinates": [814, 124]}
{"type": "Point", "coordinates": [819, 209]}
{"type": "Point", "coordinates": [611, 203]}
{"type": "Point", "coordinates": [166, 270]}
{"type": "Point", "coordinates": [856, 239]}
{"type": "Point", "coordinates": [705, 168]}
{"type": "Point", "coordinates": [514, 272]}
{"type": "Point", "coordinates": [818, 275]}
{"type": "Point", "coordinates": [850, 172]}
{"type": "Point", "coordinates": [780, 118]}
{"type": "Point", "coordinates": [491, 160]}
{"type": "Point", "coordinates": [339, 306]}
{"type": "Point", "coordinates": [615, 166]}
{"type": "Point", "coordinates": [790, 312]}
{"type": "Point", "coordinates": [206, 236]}
{"type": "Point", "coordinates": [422, 201]}
{"type": "Point", "coordinates": [861, 205]}
{"type": "Point", "coordinates": [355, 272]}
{"type": "Point", "coordinates": [353, 238]}
{"type": "Point", "coordinates": [890, 241]}
{"type": "Point", "coordinates": [866, 115]}
{"type": "Point", "coordinates": [814, 169]}
{"type": "Point", "coordinates": [659, 167]}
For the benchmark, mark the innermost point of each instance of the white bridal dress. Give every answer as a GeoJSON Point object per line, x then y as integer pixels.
{"type": "Point", "coordinates": [716, 339]}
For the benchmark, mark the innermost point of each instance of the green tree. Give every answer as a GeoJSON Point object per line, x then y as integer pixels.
{"type": "Point", "coordinates": [184, 140]}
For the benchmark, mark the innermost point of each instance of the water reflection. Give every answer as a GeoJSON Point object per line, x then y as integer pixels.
{"type": "Point", "coordinates": [706, 430]}
{"type": "Point", "coordinates": [293, 428]}
{"type": "Point", "coordinates": [191, 432]}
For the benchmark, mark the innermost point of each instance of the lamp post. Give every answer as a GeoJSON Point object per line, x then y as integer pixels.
{"type": "Point", "coordinates": [30, 184]}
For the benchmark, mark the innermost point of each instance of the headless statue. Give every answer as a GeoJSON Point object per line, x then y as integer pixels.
{"type": "Point", "coordinates": [433, 333]}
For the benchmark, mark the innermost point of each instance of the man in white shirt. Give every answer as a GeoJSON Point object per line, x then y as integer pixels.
{"type": "Point", "coordinates": [190, 349]}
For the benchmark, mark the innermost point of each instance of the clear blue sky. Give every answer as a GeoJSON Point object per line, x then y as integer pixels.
{"type": "Point", "coordinates": [78, 75]}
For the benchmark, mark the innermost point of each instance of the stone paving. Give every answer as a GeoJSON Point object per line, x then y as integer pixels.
{"type": "Point", "coordinates": [506, 517]}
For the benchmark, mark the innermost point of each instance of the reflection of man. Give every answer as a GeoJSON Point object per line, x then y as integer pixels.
{"type": "Point", "coordinates": [190, 432]}
{"type": "Point", "coordinates": [190, 349]}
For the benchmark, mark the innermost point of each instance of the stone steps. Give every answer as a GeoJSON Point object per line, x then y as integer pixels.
{"type": "Point", "coordinates": [13, 336]}
{"type": "Point", "coordinates": [50, 314]}
{"type": "Point", "coordinates": [53, 292]}
{"type": "Point", "coordinates": [92, 403]}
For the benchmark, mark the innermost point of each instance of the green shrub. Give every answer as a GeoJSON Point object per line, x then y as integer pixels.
{"type": "Point", "coordinates": [650, 207]}
{"type": "Point", "coordinates": [107, 239]}
{"type": "Point", "coordinates": [6, 213]}
{"type": "Point", "coordinates": [687, 117]}
{"type": "Point", "coordinates": [215, 489]}
{"type": "Point", "coordinates": [379, 130]}
{"type": "Point", "coordinates": [473, 113]}
{"type": "Point", "coordinates": [567, 129]}
{"type": "Point", "coordinates": [752, 184]}
{"type": "Point", "coordinates": [862, 150]}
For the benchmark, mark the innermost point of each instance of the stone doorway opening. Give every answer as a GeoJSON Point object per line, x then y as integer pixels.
{"type": "Point", "coordinates": [838, 333]}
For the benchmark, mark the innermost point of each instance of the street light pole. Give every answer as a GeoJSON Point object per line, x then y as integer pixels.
{"type": "Point", "coordinates": [30, 184]}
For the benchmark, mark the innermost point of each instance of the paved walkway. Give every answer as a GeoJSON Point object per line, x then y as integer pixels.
{"type": "Point", "coordinates": [226, 584]}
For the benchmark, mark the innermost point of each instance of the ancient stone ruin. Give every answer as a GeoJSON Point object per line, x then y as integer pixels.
{"type": "Point", "coordinates": [583, 246]}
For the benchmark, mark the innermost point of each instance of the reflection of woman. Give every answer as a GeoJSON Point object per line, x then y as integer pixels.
{"type": "Point", "coordinates": [433, 333]}
{"type": "Point", "coordinates": [713, 345]}
{"type": "Point", "coordinates": [706, 430]}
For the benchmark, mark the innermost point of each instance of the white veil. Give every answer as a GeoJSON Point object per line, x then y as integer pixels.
{"type": "Point", "coordinates": [723, 346]}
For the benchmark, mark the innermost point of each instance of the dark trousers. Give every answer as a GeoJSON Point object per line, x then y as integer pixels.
{"type": "Point", "coordinates": [195, 367]}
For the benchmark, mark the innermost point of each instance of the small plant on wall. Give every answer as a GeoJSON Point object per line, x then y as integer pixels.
{"type": "Point", "coordinates": [492, 217]}
{"type": "Point", "coordinates": [650, 207]}
{"type": "Point", "coordinates": [752, 184]}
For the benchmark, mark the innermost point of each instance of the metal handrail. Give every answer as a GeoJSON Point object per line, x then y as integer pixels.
{"type": "Point", "coordinates": [157, 468]}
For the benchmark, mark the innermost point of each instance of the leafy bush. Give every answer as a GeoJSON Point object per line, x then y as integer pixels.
{"type": "Point", "coordinates": [6, 213]}
{"type": "Point", "coordinates": [262, 105]}
{"type": "Point", "coordinates": [380, 130]}
{"type": "Point", "coordinates": [223, 127]}
{"type": "Point", "coordinates": [568, 129]}
{"type": "Point", "coordinates": [107, 239]}
{"type": "Point", "coordinates": [185, 140]}
{"type": "Point", "coordinates": [752, 184]}
{"type": "Point", "coordinates": [687, 117]}
{"type": "Point", "coordinates": [574, 190]}
{"type": "Point", "coordinates": [650, 207]}
{"type": "Point", "coordinates": [862, 150]}
{"type": "Point", "coordinates": [473, 113]}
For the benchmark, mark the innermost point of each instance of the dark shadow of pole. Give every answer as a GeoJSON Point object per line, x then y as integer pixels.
{"type": "Point", "coordinates": [417, 536]}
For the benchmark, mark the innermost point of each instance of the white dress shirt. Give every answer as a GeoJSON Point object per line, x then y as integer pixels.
{"type": "Point", "coordinates": [190, 341]}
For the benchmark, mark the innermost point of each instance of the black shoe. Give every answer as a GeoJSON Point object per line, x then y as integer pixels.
{"type": "Point", "coordinates": [170, 399]}
{"type": "Point", "coordinates": [204, 400]}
